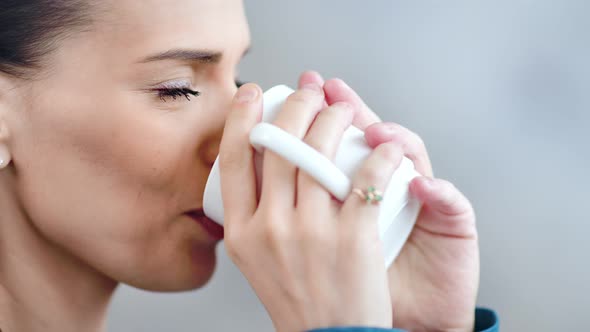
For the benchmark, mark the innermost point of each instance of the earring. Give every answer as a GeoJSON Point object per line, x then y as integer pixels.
{"type": "Point", "coordinates": [4, 157]}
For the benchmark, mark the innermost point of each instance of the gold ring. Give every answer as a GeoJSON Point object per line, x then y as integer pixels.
{"type": "Point", "coordinates": [371, 196]}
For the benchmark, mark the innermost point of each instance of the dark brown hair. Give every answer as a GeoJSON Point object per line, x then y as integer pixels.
{"type": "Point", "coordinates": [31, 29]}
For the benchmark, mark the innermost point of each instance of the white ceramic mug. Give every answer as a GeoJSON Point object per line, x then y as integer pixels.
{"type": "Point", "coordinates": [398, 209]}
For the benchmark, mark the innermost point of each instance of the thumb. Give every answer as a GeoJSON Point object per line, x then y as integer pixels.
{"type": "Point", "coordinates": [236, 156]}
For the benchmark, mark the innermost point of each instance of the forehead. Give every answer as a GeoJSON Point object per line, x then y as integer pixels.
{"type": "Point", "coordinates": [152, 25]}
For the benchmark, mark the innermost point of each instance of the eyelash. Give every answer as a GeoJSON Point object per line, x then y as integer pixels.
{"type": "Point", "coordinates": [164, 93]}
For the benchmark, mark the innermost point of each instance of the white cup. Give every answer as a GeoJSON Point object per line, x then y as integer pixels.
{"type": "Point", "coordinates": [398, 209]}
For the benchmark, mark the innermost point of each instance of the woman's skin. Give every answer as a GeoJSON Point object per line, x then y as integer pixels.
{"type": "Point", "coordinates": [104, 169]}
{"type": "Point", "coordinates": [435, 278]}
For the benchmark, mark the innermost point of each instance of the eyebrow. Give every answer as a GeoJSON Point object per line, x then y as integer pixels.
{"type": "Point", "coordinates": [200, 56]}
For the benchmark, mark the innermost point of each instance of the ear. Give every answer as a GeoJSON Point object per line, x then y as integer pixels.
{"type": "Point", "coordinates": [5, 156]}
{"type": "Point", "coordinates": [6, 86]}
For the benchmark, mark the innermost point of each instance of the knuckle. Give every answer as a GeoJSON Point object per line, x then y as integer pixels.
{"type": "Point", "coordinates": [405, 136]}
{"type": "Point", "coordinates": [274, 234]}
{"type": "Point", "coordinates": [447, 194]}
{"type": "Point", "coordinates": [309, 233]}
{"type": "Point", "coordinates": [319, 237]}
{"type": "Point", "coordinates": [448, 189]}
{"type": "Point", "coordinates": [390, 152]}
{"type": "Point", "coordinates": [341, 112]}
{"type": "Point", "coordinates": [453, 201]}
{"type": "Point", "coordinates": [449, 199]}
{"type": "Point", "coordinates": [411, 140]}
{"type": "Point", "coordinates": [339, 115]}
{"type": "Point", "coordinates": [370, 175]}
{"type": "Point", "coordinates": [328, 123]}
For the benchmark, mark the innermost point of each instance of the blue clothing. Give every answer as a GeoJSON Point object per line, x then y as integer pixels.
{"type": "Point", "coordinates": [486, 320]}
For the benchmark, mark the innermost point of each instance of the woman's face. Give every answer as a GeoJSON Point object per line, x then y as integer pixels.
{"type": "Point", "coordinates": [106, 161]}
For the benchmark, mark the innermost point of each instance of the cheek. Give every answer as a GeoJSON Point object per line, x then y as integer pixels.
{"type": "Point", "coordinates": [109, 158]}
{"type": "Point", "coordinates": [102, 182]}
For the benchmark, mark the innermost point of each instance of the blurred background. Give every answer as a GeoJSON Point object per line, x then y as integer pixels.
{"type": "Point", "coordinates": [500, 93]}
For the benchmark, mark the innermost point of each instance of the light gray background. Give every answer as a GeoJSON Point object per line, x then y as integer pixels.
{"type": "Point", "coordinates": [500, 92]}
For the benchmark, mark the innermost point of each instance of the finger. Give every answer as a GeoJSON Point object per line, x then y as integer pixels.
{"type": "Point", "coordinates": [324, 136]}
{"type": "Point", "coordinates": [236, 156]}
{"type": "Point", "coordinates": [376, 172]}
{"type": "Point", "coordinates": [279, 175]}
{"type": "Point", "coordinates": [310, 77]}
{"type": "Point", "coordinates": [413, 145]}
{"type": "Point", "coordinates": [445, 211]}
{"type": "Point", "coordinates": [338, 91]}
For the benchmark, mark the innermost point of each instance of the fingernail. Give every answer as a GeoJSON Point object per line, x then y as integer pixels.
{"type": "Point", "coordinates": [312, 86]}
{"type": "Point", "coordinates": [246, 94]}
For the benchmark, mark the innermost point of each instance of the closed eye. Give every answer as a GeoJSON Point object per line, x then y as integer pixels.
{"type": "Point", "coordinates": [166, 93]}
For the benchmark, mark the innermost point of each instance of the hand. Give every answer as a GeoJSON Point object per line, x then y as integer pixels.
{"type": "Point", "coordinates": [434, 280]}
{"type": "Point", "coordinates": [313, 261]}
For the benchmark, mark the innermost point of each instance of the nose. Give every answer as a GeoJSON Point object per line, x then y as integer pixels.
{"type": "Point", "coordinates": [222, 105]}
